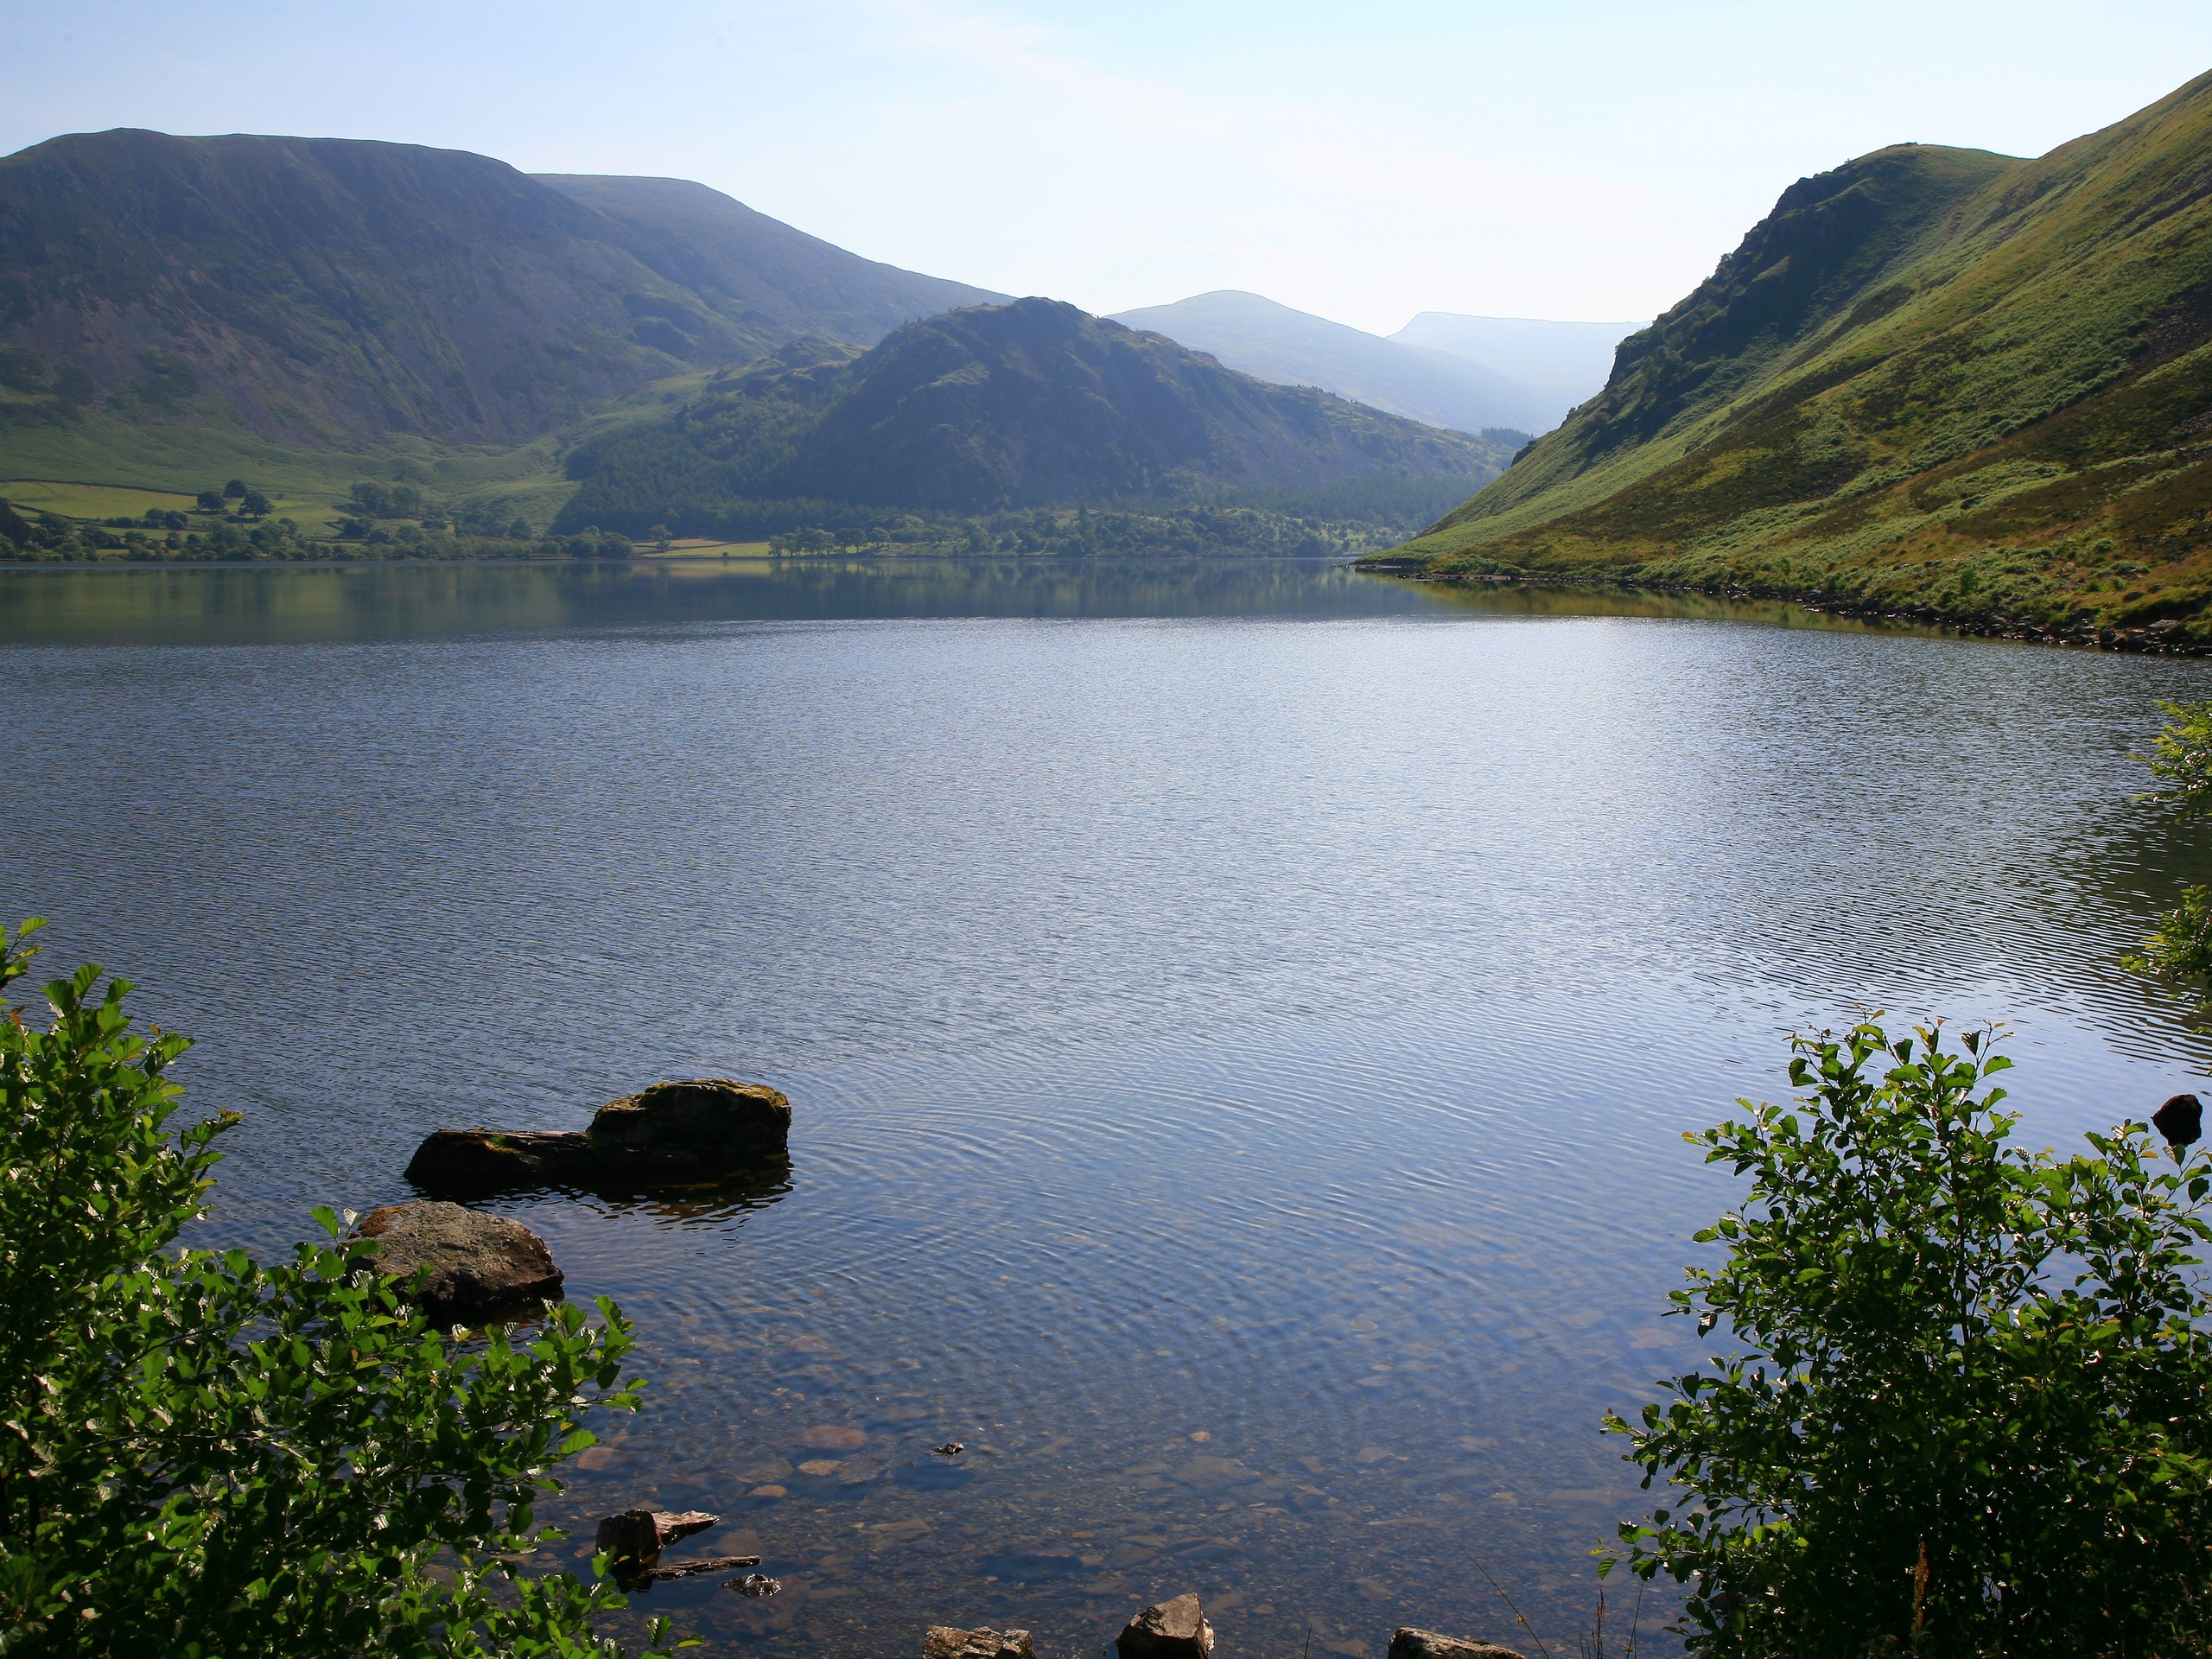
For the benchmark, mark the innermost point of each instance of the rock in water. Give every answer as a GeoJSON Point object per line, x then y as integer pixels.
{"type": "Point", "coordinates": [943, 1642]}
{"type": "Point", "coordinates": [1173, 1630]}
{"type": "Point", "coordinates": [2181, 1120]}
{"type": "Point", "coordinates": [633, 1539]}
{"type": "Point", "coordinates": [1409, 1643]}
{"type": "Point", "coordinates": [708, 1118]}
{"type": "Point", "coordinates": [705, 1129]}
{"type": "Point", "coordinates": [475, 1266]}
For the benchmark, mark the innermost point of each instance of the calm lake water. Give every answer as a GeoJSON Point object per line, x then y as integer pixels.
{"type": "Point", "coordinates": [1241, 1018]}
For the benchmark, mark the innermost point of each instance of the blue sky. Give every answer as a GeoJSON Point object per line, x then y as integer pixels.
{"type": "Point", "coordinates": [1580, 160]}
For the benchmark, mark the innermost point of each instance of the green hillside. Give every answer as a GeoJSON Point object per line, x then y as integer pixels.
{"type": "Point", "coordinates": [995, 408]}
{"type": "Point", "coordinates": [1932, 378]}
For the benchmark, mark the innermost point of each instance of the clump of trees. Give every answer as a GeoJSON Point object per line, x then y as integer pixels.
{"type": "Point", "coordinates": [1193, 531]}
{"type": "Point", "coordinates": [235, 499]}
{"type": "Point", "coordinates": [205, 1453]}
{"type": "Point", "coordinates": [399, 520]}
{"type": "Point", "coordinates": [214, 535]}
{"type": "Point", "coordinates": [157, 535]}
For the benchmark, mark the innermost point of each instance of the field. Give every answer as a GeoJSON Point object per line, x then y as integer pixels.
{"type": "Point", "coordinates": [89, 500]}
{"type": "Point", "coordinates": [698, 547]}
{"type": "Point", "coordinates": [97, 467]}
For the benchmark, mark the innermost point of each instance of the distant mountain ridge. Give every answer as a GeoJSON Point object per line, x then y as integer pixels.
{"type": "Point", "coordinates": [1937, 376]}
{"type": "Point", "coordinates": [1257, 336]}
{"type": "Point", "coordinates": [332, 291]}
{"type": "Point", "coordinates": [1027, 405]}
{"type": "Point", "coordinates": [1563, 364]}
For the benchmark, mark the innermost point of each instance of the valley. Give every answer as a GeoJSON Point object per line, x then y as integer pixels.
{"type": "Point", "coordinates": [1122, 951]}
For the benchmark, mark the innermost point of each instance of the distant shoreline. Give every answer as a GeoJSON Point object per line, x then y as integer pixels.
{"type": "Point", "coordinates": [2151, 641]}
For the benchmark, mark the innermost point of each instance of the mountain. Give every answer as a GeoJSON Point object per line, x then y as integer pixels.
{"type": "Point", "coordinates": [1028, 404]}
{"type": "Point", "coordinates": [1563, 363]}
{"type": "Point", "coordinates": [1934, 378]}
{"type": "Point", "coordinates": [757, 273]}
{"type": "Point", "coordinates": [1260, 338]}
{"type": "Point", "coordinates": [331, 292]}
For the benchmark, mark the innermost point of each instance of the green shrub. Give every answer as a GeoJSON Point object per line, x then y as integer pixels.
{"type": "Point", "coordinates": [200, 1454]}
{"type": "Point", "coordinates": [2181, 757]}
{"type": "Point", "coordinates": [1966, 1409]}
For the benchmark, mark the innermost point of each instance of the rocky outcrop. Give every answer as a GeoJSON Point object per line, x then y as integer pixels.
{"type": "Point", "coordinates": [945, 1642]}
{"type": "Point", "coordinates": [1409, 1643]}
{"type": "Point", "coordinates": [461, 1266]}
{"type": "Point", "coordinates": [671, 1134]}
{"type": "Point", "coordinates": [1173, 1630]}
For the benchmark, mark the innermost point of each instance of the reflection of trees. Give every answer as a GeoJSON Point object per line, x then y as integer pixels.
{"type": "Point", "coordinates": [298, 604]}
{"type": "Point", "coordinates": [2112, 871]}
{"type": "Point", "coordinates": [275, 605]}
{"type": "Point", "coordinates": [1595, 599]}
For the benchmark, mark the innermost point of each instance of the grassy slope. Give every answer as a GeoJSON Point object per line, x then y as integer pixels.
{"type": "Point", "coordinates": [85, 458]}
{"type": "Point", "coordinates": [74, 468]}
{"type": "Point", "coordinates": [1932, 378]}
{"type": "Point", "coordinates": [758, 274]}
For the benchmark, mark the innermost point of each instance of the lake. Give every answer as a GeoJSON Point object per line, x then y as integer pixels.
{"type": "Point", "coordinates": [1241, 1018]}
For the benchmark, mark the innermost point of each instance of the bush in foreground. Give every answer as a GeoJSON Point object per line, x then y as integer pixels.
{"type": "Point", "coordinates": [1967, 1412]}
{"type": "Point", "coordinates": [204, 1455]}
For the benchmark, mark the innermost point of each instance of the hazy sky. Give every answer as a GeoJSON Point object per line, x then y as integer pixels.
{"type": "Point", "coordinates": [1554, 159]}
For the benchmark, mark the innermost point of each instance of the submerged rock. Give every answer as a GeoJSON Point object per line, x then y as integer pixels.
{"type": "Point", "coordinates": [1173, 1630]}
{"type": "Point", "coordinates": [943, 1642]}
{"type": "Point", "coordinates": [672, 1134]}
{"type": "Point", "coordinates": [474, 1265]}
{"type": "Point", "coordinates": [1409, 1643]}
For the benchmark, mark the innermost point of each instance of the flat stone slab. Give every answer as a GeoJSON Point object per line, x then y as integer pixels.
{"type": "Point", "coordinates": [1407, 1642]}
{"type": "Point", "coordinates": [472, 1266]}
{"type": "Point", "coordinates": [946, 1642]}
{"type": "Point", "coordinates": [700, 1130]}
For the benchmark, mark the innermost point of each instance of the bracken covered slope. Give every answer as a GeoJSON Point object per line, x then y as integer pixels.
{"type": "Point", "coordinates": [1931, 377]}
{"type": "Point", "coordinates": [757, 273]}
{"type": "Point", "coordinates": [331, 292]}
{"type": "Point", "coordinates": [1027, 405]}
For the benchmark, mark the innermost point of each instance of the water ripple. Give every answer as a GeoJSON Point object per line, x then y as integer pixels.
{"type": "Point", "coordinates": [1241, 1034]}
